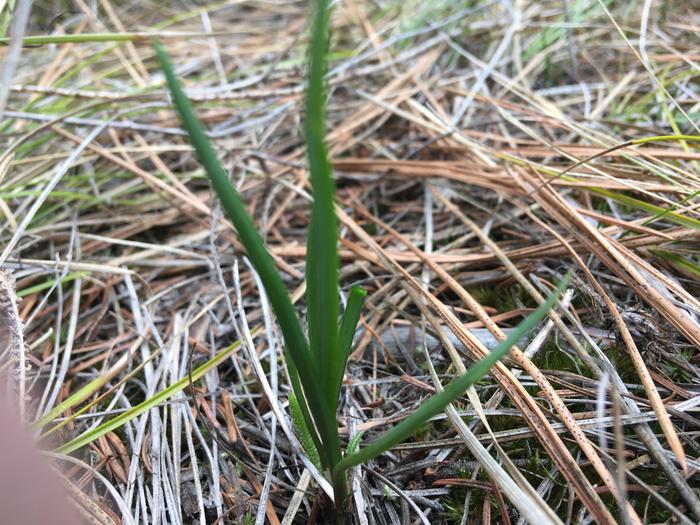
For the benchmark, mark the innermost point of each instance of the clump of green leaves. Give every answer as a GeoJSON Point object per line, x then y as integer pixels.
{"type": "Point", "coordinates": [316, 365]}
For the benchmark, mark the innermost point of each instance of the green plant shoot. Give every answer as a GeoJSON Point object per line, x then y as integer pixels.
{"type": "Point", "coordinates": [324, 355]}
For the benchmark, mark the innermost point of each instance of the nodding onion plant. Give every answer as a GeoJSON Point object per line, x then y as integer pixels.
{"type": "Point", "coordinates": [316, 365]}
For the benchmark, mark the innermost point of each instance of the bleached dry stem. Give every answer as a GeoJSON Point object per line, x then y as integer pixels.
{"type": "Point", "coordinates": [12, 346]}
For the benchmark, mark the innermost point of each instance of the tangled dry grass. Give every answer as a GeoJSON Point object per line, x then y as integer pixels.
{"type": "Point", "coordinates": [451, 127]}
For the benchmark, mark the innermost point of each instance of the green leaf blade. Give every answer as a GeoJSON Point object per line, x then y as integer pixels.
{"type": "Point", "coordinates": [348, 325]}
{"type": "Point", "coordinates": [311, 397]}
{"type": "Point", "coordinates": [151, 402]}
{"type": "Point", "coordinates": [451, 392]}
{"type": "Point", "coordinates": [322, 255]}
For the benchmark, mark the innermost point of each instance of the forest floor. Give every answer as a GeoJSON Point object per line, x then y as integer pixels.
{"type": "Point", "coordinates": [481, 150]}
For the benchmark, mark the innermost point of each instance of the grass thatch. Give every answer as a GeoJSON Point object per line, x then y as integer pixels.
{"type": "Point", "coordinates": [450, 127]}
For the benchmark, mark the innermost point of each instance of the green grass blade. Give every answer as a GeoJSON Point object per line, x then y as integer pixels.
{"type": "Point", "coordinates": [48, 284]}
{"type": "Point", "coordinates": [666, 213]}
{"type": "Point", "coordinates": [452, 391]}
{"type": "Point", "coordinates": [151, 402]}
{"type": "Point", "coordinates": [297, 350]}
{"type": "Point", "coordinates": [354, 443]}
{"type": "Point", "coordinates": [40, 40]}
{"type": "Point", "coordinates": [348, 324]}
{"type": "Point", "coordinates": [6, 17]}
{"type": "Point", "coordinates": [680, 262]}
{"type": "Point", "coordinates": [81, 396]}
{"type": "Point", "coordinates": [322, 255]}
{"type": "Point", "coordinates": [74, 399]}
{"type": "Point", "coordinates": [235, 209]}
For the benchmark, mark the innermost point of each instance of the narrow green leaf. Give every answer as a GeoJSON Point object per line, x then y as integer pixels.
{"type": "Point", "coordinates": [452, 391]}
{"type": "Point", "coordinates": [151, 402]}
{"type": "Point", "coordinates": [48, 284]}
{"type": "Point", "coordinates": [235, 209]}
{"type": "Point", "coordinates": [638, 204]}
{"type": "Point", "coordinates": [90, 390]}
{"type": "Point", "coordinates": [681, 262]}
{"type": "Point", "coordinates": [74, 399]}
{"type": "Point", "coordinates": [311, 397]}
{"type": "Point", "coordinates": [354, 443]}
{"type": "Point", "coordinates": [667, 138]}
{"type": "Point", "coordinates": [348, 324]}
{"type": "Point", "coordinates": [38, 40]}
{"type": "Point", "coordinates": [6, 17]}
{"type": "Point", "coordinates": [322, 255]}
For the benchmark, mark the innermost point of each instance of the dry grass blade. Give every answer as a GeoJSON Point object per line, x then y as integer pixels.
{"type": "Point", "coordinates": [514, 390]}
{"type": "Point", "coordinates": [606, 250]}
